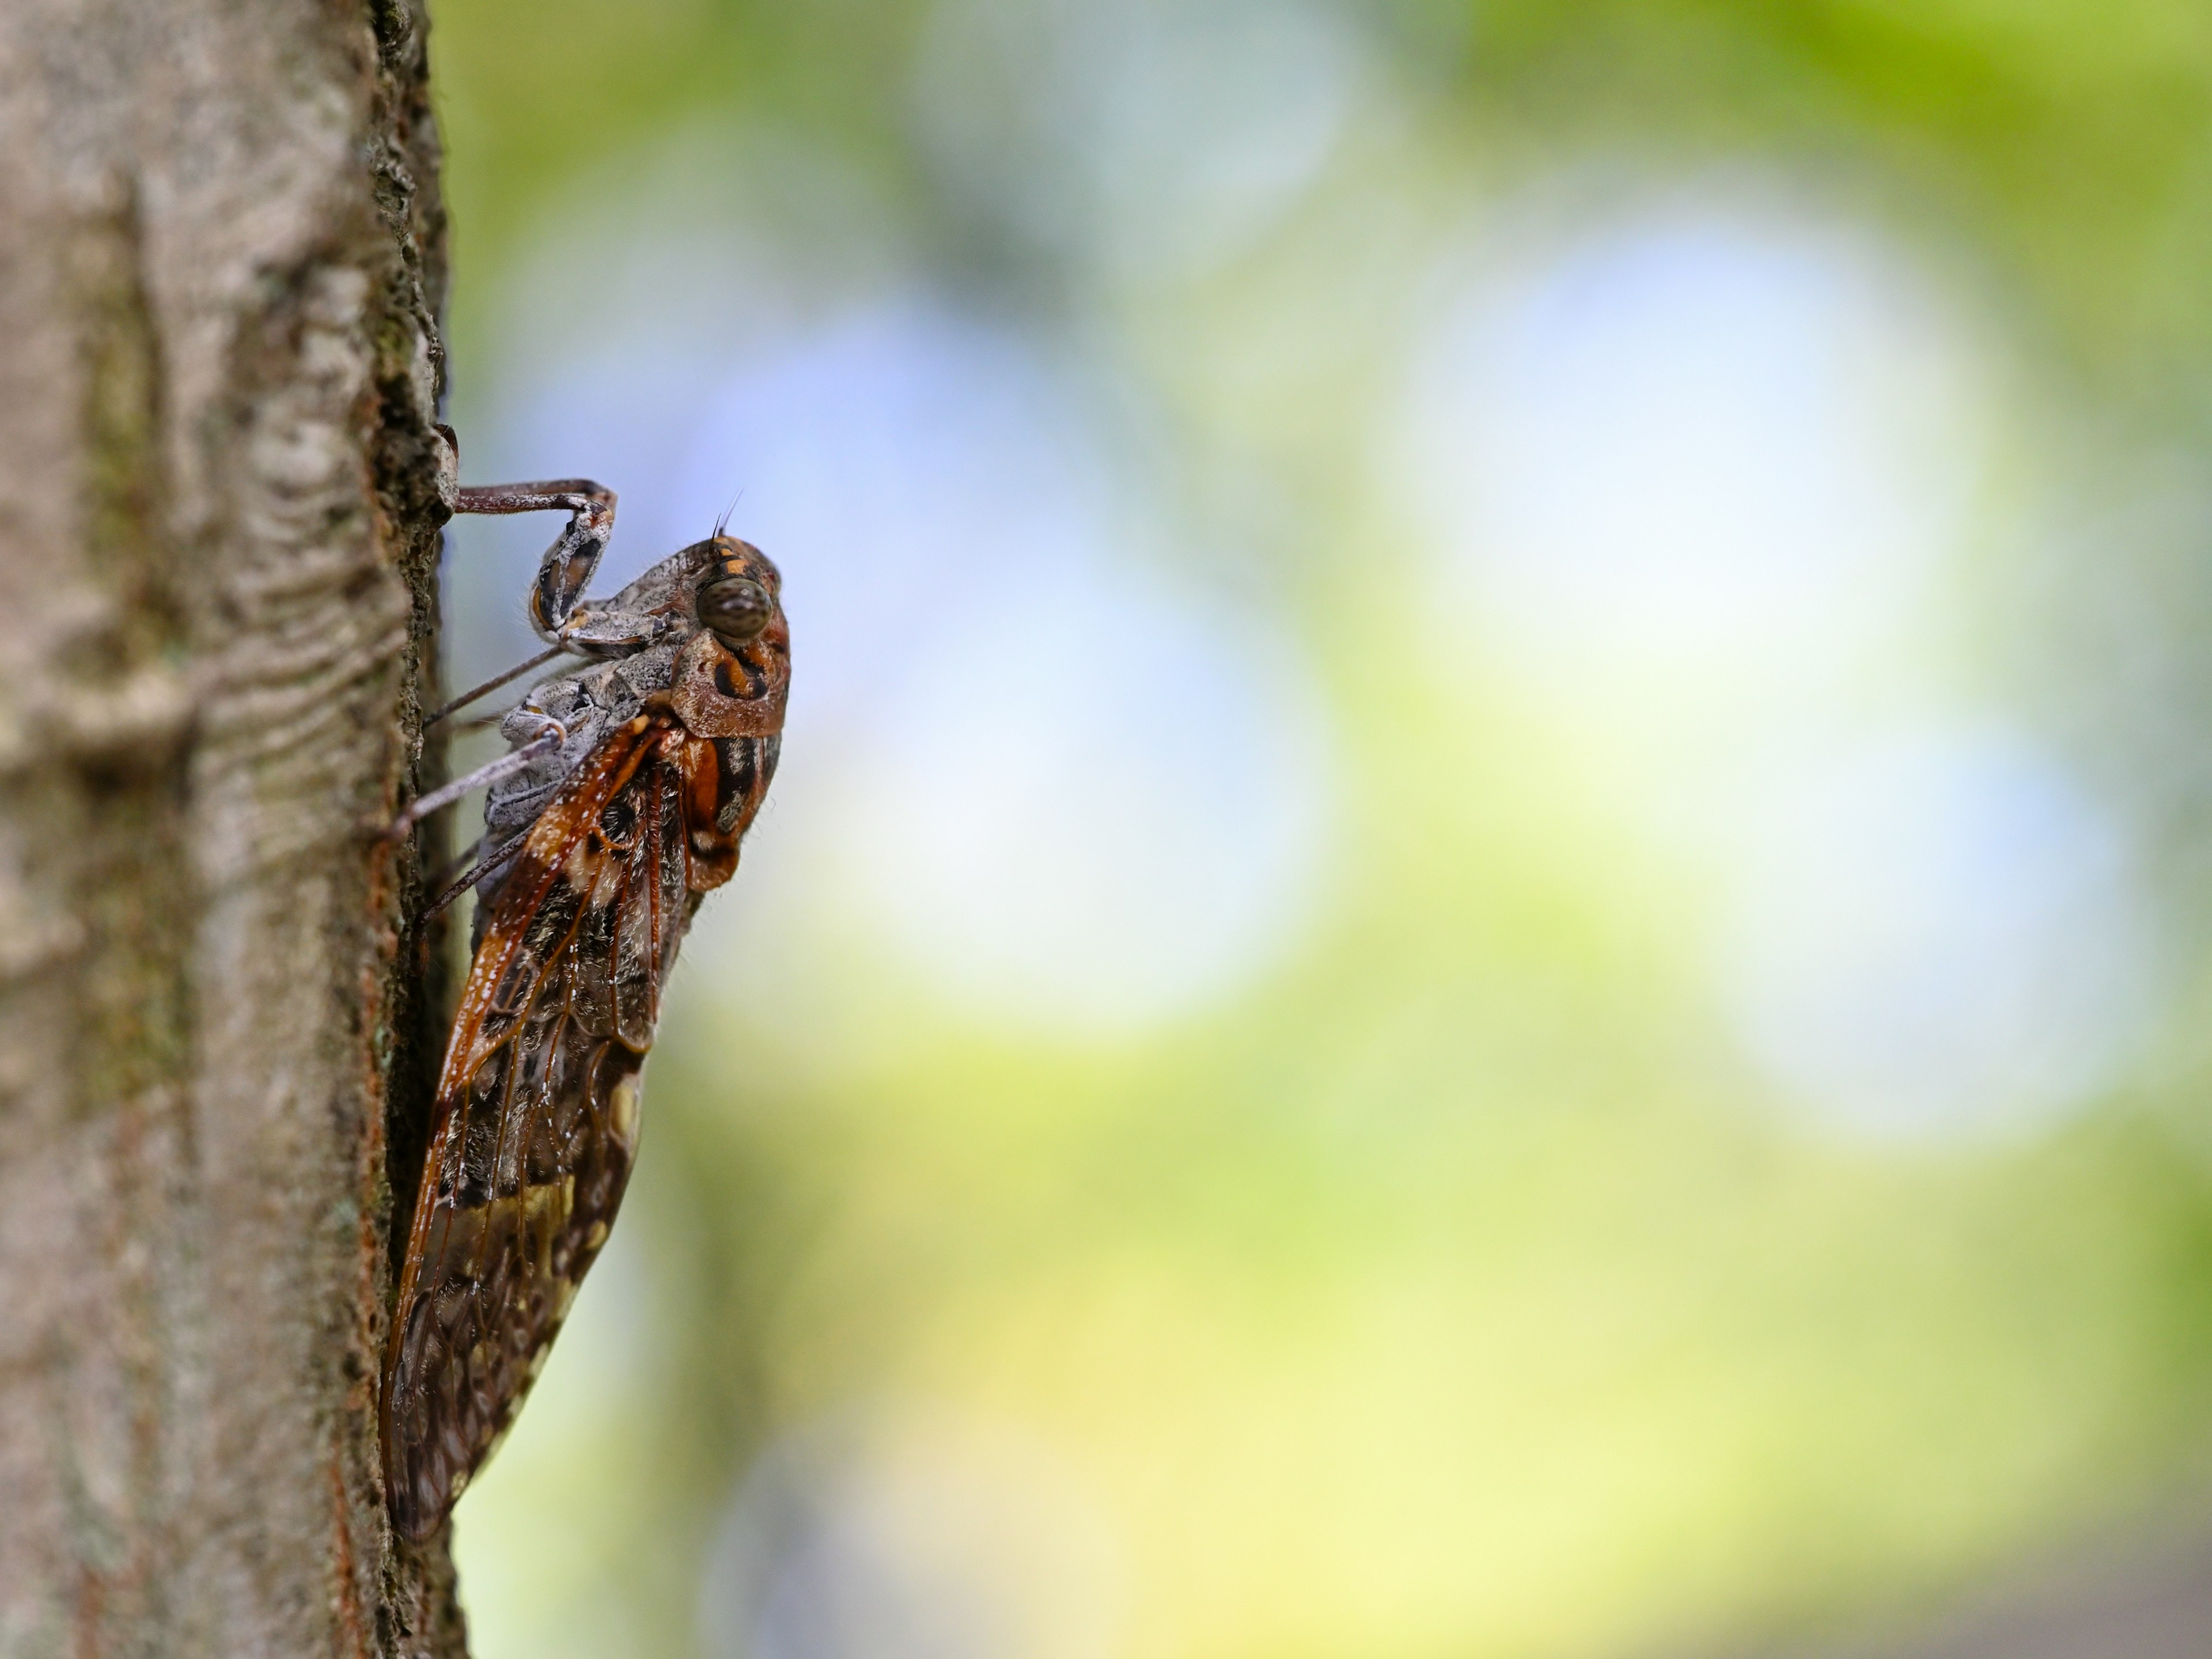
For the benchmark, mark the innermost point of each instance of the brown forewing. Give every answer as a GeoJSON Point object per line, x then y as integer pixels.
{"type": "Point", "coordinates": [537, 1114]}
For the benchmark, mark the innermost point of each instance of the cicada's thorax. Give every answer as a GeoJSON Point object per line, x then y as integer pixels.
{"type": "Point", "coordinates": [653, 654]}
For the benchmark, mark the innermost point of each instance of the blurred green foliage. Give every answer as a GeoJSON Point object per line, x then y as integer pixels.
{"type": "Point", "coordinates": [2066, 143]}
{"type": "Point", "coordinates": [1449, 1292]}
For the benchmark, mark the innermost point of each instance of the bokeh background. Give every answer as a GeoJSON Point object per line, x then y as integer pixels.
{"type": "Point", "coordinates": [1487, 930]}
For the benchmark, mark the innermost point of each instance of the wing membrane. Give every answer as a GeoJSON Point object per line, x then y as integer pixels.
{"type": "Point", "coordinates": [537, 1112]}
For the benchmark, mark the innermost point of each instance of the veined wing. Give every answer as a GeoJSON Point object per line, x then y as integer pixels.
{"type": "Point", "coordinates": [537, 1114]}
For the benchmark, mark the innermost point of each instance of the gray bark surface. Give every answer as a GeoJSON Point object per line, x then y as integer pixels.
{"type": "Point", "coordinates": [220, 265]}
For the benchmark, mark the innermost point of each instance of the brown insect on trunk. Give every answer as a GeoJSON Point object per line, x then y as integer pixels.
{"type": "Point", "coordinates": [221, 269]}
{"type": "Point", "coordinates": [633, 775]}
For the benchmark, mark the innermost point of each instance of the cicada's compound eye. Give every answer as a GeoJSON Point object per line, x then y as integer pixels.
{"type": "Point", "coordinates": [736, 608]}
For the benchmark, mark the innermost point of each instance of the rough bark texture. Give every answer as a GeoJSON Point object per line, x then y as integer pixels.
{"type": "Point", "coordinates": [221, 262]}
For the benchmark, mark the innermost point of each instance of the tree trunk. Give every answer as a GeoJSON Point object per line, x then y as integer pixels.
{"type": "Point", "coordinates": [221, 267]}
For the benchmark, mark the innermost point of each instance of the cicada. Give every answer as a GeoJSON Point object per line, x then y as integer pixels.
{"type": "Point", "coordinates": [631, 779]}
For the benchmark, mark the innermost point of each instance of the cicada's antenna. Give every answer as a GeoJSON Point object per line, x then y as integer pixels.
{"type": "Point", "coordinates": [723, 523]}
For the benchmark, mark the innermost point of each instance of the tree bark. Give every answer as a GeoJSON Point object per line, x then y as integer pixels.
{"type": "Point", "coordinates": [221, 269]}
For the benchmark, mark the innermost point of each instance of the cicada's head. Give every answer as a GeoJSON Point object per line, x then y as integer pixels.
{"type": "Point", "coordinates": [740, 596]}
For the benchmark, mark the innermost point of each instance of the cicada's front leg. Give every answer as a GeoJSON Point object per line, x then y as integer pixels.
{"type": "Point", "coordinates": [554, 600]}
{"type": "Point", "coordinates": [556, 608]}
{"type": "Point", "coordinates": [568, 563]}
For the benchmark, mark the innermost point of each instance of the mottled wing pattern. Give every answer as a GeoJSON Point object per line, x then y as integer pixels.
{"type": "Point", "coordinates": [537, 1114]}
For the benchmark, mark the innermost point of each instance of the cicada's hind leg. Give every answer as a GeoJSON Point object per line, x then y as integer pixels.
{"type": "Point", "coordinates": [568, 563]}
{"type": "Point", "coordinates": [550, 735]}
